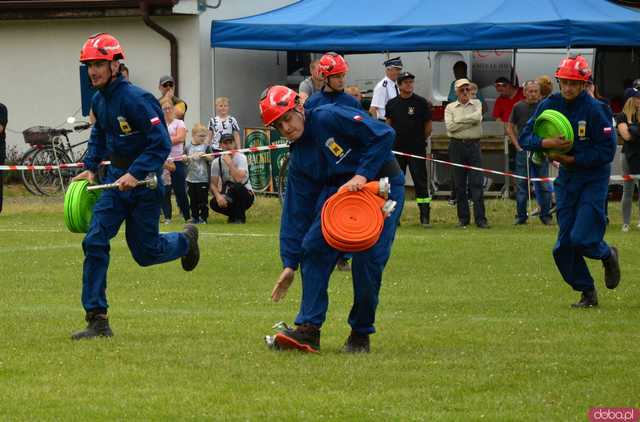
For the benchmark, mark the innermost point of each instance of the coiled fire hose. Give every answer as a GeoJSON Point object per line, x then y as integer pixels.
{"type": "Point", "coordinates": [353, 221]}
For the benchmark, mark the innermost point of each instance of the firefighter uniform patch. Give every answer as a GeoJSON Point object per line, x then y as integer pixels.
{"type": "Point", "coordinates": [334, 147]}
{"type": "Point", "coordinates": [124, 125]}
{"type": "Point", "coordinates": [582, 128]}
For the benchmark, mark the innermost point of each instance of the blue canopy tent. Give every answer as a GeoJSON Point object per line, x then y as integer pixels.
{"type": "Point", "coordinates": [431, 25]}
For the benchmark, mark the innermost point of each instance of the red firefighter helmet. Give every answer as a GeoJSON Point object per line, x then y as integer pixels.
{"type": "Point", "coordinates": [333, 64]}
{"type": "Point", "coordinates": [575, 68]}
{"type": "Point", "coordinates": [275, 101]}
{"type": "Point", "coordinates": [101, 47]}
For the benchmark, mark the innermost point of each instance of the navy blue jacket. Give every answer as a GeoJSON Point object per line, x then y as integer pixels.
{"type": "Point", "coordinates": [594, 145]}
{"type": "Point", "coordinates": [129, 124]}
{"type": "Point", "coordinates": [323, 97]}
{"type": "Point", "coordinates": [338, 142]}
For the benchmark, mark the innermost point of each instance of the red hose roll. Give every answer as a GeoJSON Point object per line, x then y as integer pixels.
{"type": "Point", "coordinates": [353, 221]}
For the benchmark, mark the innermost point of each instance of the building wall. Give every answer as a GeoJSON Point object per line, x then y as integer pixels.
{"type": "Point", "coordinates": [39, 66]}
{"type": "Point", "coordinates": [39, 80]}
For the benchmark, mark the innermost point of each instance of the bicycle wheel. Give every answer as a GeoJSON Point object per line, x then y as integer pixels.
{"type": "Point", "coordinates": [26, 175]}
{"type": "Point", "coordinates": [51, 182]}
{"type": "Point", "coordinates": [282, 179]}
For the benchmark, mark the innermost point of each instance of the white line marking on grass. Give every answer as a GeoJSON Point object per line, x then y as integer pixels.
{"type": "Point", "coordinates": [221, 234]}
{"type": "Point", "coordinates": [32, 230]}
{"type": "Point", "coordinates": [39, 248]}
{"type": "Point", "coordinates": [236, 234]}
{"type": "Point", "coordinates": [201, 232]}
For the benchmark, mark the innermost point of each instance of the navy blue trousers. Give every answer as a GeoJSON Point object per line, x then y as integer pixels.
{"type": "Point", "coordinates": [582, 224]}
{"type": "Point", "coordinates": [319, 260]}
{"type": "Point", "coordinates": [139, 209]}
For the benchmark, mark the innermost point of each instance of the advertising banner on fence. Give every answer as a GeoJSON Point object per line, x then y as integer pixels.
{"type": "Point", "coordinates": [259, 162]}
{"type": "Point", "coordinates": [278, 158]}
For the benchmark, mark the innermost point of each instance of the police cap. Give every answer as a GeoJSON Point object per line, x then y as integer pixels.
{"type": "Point", "coordinates": [395, 62]}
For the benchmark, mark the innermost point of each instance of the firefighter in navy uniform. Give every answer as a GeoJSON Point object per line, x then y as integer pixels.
{"type": "Point", "coordinates": [334, 69]}
{"type": "Point", "coordinates": [410, 116]}
{"type": "Point", "coordinates": [131, 132]}
{"type": "Point", "coordinates": [582, 185]}
{"type": "Point", "coordinates": [331, 146]}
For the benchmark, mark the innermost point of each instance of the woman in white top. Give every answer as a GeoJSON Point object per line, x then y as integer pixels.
{"type": "Point", "coordinates": [178, 133]}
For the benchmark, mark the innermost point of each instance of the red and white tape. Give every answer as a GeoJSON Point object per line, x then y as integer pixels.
{"type": "Point", "coordinates": [616, 178]}
{"type": "Point", "coordinates": [50, 167]}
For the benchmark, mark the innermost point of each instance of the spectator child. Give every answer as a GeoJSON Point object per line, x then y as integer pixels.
{"type": "Point", "coordinates": [221, 124]}
{"type": "Point", "coordinates": [198, 174]}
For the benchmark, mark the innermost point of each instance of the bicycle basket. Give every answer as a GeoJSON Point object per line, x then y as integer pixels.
{"type": "Point", "coordinates": [37, 135]}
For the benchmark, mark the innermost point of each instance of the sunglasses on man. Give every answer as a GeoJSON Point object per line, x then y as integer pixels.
{"type": "Point", "coordinates": [168, 84]}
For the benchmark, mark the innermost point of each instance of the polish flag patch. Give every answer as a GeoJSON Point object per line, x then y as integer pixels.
{"type": "Point", "coordinates": [357, 118]}
{"type": "Point", "coordinates": [607, 131]}
{"type": "Point", "coordinates": [155, 121]}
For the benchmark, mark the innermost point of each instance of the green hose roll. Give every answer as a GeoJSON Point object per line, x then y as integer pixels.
{"type": "Point", "coordinates": [78, 206]}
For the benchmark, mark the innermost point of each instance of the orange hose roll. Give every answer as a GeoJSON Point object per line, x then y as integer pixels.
{"type": "Point", "coordinates": [353, 221]}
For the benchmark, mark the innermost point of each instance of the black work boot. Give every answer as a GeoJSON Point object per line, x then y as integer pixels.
{"type": "Point", "coordinates": [588, 299]}
{"type": "Point", "coordinates": [98, 326]}
{"type": "Point", "coordinates": [425, 212]}
{"type": "Point", "coordinates": [190, 260]}
{"type": "Point", "coordinates": [612, 269]}
{"type": "Point", "coordinates": [356, 343]}
{"type": "Point", "coordinates": [305, 337]}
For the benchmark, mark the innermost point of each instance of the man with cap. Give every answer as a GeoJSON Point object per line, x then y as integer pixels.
{"type": "Point", "coordinates": [583, 182]}
{"type": "Point", "coordinates": [463, 120]}
{"type": "Point", "coordinates": [131, 132]}
{"type": "Point", "coordinates": [386, 89]}
{"type": "Point", "coordinates": [166, 85]}
{"type": "Point", "coordinates": [333, 68]}
{"type": "Point", "coordinates": [332, 146]}
{"type": "Point", "coordinates": [410, 116]}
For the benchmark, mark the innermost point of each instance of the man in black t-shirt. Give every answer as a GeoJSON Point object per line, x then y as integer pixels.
{"type": "Point", "coordinates": [410, 116]}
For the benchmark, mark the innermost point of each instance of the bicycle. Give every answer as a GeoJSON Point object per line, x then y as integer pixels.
{"type": "Point", "coordinates": [50, 146]}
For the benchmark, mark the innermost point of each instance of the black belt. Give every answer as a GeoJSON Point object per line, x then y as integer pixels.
{"type": "Point", "coordinates": [121, 162]}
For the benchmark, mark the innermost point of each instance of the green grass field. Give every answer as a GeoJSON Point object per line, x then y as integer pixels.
{"type": "Point", "coordinates": [472, 325]}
